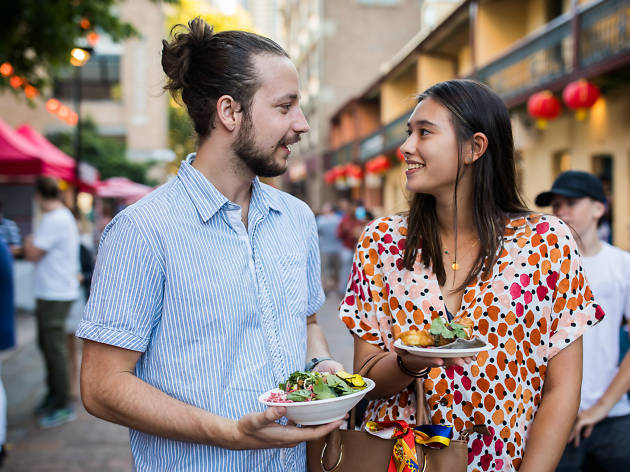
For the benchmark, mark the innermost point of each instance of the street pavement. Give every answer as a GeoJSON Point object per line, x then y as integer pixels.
{"type": "Point", "coordinates": [89, 444]}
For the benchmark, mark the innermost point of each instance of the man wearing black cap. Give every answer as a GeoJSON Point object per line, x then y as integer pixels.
{"type": "Point", "coordinates": [578, 199]}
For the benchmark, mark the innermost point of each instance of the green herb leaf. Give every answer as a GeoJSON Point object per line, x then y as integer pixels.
{"type": "Point", "coordinates": [299, 395]}
{"type": "Point", "coordinates": [322, 390]}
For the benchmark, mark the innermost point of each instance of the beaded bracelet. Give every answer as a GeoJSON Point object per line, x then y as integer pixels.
{"type": "Point", "coordinates": [411, 373]}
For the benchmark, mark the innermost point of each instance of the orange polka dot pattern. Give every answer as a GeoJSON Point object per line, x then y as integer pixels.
{"type": "Point", "coordinates": [534, 303]}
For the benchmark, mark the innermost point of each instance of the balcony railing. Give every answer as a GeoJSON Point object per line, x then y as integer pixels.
{"type": "Point", "coordinates": [555, 53]}
{"type": "Point", "coordinates": [604, 31]}
{"type": "Point", "coordinates": [542, 59]}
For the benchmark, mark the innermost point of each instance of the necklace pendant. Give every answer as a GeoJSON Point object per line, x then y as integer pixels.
{"type": "Point", "coordinates": [455, 266]}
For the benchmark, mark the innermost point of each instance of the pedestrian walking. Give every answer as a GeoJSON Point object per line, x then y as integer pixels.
{"type": "Point", "coordinates": [7, 332]}
{"type": "Point", "coordinates": [469, 251]}
{"type": "Point", "coordinates": [329, 246]}
{"type": "Point", "coordinates": [205, 292]}
{"type": "Point", "coordinates": [578, 199]}
{"type": "Point", "coordinates": [55, 250]}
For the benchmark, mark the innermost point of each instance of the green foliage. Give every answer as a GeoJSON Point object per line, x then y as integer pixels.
{"type": "Point", "coordinates": [181, 135]}
{"type": "Point", "coordinates": [36, 36]}
{"type": "Point", "coordinates": [447, 331]}
{"type": "Point", "coordinates": [107, 154]}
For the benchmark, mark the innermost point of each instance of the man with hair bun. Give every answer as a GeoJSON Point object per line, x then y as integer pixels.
{"type": "Point", "coordinates": [205, 292]}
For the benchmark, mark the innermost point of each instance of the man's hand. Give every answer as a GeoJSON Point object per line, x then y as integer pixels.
{"type": "Point", "coordinates": [585, 423]}
{"type": "Point", "coordinates": [328, 366]}
{"type": "Point", "coordinates": [260, 431]}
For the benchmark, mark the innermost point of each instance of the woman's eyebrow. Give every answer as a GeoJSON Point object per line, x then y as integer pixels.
{"type": "Point", "coordinates": [422, 123]}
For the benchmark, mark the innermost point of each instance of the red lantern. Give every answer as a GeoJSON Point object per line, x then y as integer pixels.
{"type": "Point", "coordinates": [16, 81]}
{"type": "Point", "coordinates": [354, 174]}
{"type": "Point", "coordinates": [579, 96]}
{"type": "Point", "coordinates": [334, 174]}
{"type": "Point", "coordinates": [377, 165]}
{"type": "Point", "coordinates": [543, 106]}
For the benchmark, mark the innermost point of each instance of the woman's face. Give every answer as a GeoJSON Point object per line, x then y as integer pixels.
{"type": "Point", "coordinates": [431, 150]}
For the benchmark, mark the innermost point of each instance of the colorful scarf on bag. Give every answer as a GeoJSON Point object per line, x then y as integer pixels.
{"type": "Point", "coordinates": [404, 458]}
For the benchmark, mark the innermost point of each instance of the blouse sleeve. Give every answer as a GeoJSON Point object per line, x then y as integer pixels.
{"type": "Point", "coordinates": [364, 308]}
{"type": "Point", "coordinates": [574, 308]}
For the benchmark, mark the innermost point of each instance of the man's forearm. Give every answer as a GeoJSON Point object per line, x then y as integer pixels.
{"type": "Point", "coordinates": [126, 400]}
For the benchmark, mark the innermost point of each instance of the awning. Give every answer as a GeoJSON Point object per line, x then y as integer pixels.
{"type": "Point", "coordinates": [18, 156]}
{"type": "Point", "coordinates": [56, 163]}
{"type": "Point", "coordinates": [122, 188]}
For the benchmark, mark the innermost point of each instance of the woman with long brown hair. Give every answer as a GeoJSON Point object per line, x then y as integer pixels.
{"type": "Point", "coordinates": [469, 250]}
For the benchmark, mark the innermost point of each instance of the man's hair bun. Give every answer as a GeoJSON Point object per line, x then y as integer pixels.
{"type": "Point", "coordinates": [176, 54]}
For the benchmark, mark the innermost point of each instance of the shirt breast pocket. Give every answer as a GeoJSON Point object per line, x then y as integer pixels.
{"type": "Point", "coordinates": [293, 268]}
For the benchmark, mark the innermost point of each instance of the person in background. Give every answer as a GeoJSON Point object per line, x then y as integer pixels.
{"type": "Point", "coordinates": [54, 248]}
{"type": "Point", "coordinates": [579, 200]}
{"type": "Point", "coordinates": [348, 232]}
{"type": "Point", "coordinates": [205, 291]}
{"type": "Point", "coordinates": [7, 331]}
{"type": "Point", "coordinates": [329, 245]}
{"type": "Point", "coordinates": [470, 251]}
{"type": "Point", "coordinates": [10, 233]}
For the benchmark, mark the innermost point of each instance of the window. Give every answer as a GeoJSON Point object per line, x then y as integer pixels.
{"type": "Point", "coordinates": [100, 79]}
{"type": "Point", "coordinates": [561, 162]}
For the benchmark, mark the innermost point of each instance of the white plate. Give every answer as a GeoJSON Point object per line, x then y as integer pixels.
{"type": "Point", "coordinates": [319, 411]}
{"type": "Point", "coordinates": [443, 353]}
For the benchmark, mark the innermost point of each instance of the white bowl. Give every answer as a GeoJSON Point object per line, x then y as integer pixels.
{"type": "Point", "coordinates": [441, 352]}
{"type": "Point", "coordinates": [319, 411]}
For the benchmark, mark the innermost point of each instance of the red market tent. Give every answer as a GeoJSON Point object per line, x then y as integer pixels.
{"type": "Point", "coordinates": [18, 156]}
{"type": "Point", "coordinates": [123, 189]}
{"type": "Point", "coordinates": [57, 163]}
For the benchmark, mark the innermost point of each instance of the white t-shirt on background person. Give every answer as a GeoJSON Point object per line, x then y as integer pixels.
{"type": "Point", "coordinates": [57, 271]}
{"type": "Point", "coordinates": [608, 274]}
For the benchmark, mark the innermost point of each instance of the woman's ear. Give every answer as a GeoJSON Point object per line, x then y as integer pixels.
{"type": "Point", "coordinates": [479, 144]}
{"type": "Point", "coordinates": [228, 112]}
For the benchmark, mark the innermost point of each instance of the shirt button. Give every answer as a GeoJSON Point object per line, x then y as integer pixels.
{"type": "Point", "coordinates": [444, 402]}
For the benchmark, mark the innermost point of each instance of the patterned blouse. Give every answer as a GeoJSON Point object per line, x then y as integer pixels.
{"type": "Point", "coordinates": [534, 303]}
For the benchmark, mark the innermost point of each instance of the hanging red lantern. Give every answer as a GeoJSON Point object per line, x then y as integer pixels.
{"type": "Point", "coordinates": [543, 106]}
{"type": "Point", "coordinates": [354, 175]}
{"type": "Point", "coordinates": [30, 92]}
{"type": "Point", "coordinates": [377, 165]}
{"type": "Point", "coordinates": [334, 174]}
{"type": "Point", "coordinates": [579, 96]}
{"type": "Point", "coordinates": [16, 81]}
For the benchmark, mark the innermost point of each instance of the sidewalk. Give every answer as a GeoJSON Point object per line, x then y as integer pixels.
{"type": "Point", "coordinates": [85, 445]}
{"type": "Point", "coordinates": [89, 444]}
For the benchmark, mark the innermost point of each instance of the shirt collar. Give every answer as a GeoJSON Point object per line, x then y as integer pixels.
{"type": "Point", "coordinates": [208, 200]}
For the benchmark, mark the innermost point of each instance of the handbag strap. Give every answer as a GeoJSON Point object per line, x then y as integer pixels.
{"type": "Point", "coordinates": [363, 371]}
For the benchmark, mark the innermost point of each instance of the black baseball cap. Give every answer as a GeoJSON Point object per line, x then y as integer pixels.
{"type": "Point", "coordinates": [573, 184]}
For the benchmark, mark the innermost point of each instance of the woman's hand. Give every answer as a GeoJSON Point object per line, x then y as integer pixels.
{"type": "Point", "coordinates": [417, 363]}
{"type": "Point", "coordinates": [329, 365]}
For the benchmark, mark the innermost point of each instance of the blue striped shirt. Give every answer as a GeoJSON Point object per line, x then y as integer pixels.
{"type": "Point", "coordinates": [219, 311]}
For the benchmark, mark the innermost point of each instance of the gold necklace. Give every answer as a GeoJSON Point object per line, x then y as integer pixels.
{"type": "Point", "coordinates": [454, 264]}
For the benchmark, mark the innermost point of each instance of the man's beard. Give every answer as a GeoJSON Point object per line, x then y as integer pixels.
{"type": "Point", "coordinates": [261, 163]}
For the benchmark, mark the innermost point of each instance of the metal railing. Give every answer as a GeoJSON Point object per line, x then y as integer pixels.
{"type": "Point", "coordinates": [542, 59]}
{"type": "Point", "coordinates": [562, 49]}
{"type": "Point", "coordinates": [604, 31]}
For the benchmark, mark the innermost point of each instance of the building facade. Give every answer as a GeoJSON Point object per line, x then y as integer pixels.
{"type": "Point", "coordinates": [519, 48]}
{"type": "Point", "coordinates": [338, 47]}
